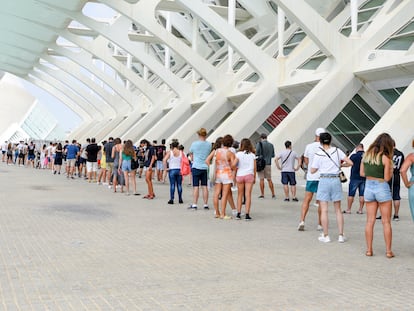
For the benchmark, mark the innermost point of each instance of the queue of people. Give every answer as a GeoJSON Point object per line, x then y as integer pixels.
{"type": "Point", "coordinates": [230, 166]}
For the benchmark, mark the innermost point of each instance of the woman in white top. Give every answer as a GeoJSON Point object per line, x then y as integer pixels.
{"type": "Point", "coordinates": [328, 161]}
{"type": "Point", "coordinates": [174, 171]}
{"type": "Point", "coordinates": [245, 176]}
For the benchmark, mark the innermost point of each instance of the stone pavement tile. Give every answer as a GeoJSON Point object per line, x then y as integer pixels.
{"type": "Point", "coordinates": [83, 247]}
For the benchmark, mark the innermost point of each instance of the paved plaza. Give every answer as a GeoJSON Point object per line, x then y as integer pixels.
{"type": "Point", "coordinates": [72, 245]}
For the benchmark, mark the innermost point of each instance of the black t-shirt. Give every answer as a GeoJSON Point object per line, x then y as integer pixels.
{"type": "Point", "coordinates": [108, 151]}
{"type": "Point", "coordinates": [92, 152]}
{"type": "Point", "coordinates": [160, 152]}
{"type": "Point", "coordinates": [149, 153]}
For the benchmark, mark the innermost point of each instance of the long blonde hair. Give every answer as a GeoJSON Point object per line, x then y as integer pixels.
{"type": "Point", "coordinates": [382, 145]}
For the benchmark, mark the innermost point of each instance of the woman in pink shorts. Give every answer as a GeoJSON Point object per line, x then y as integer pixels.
{"type": "Point", "coordinates": [246, 175]}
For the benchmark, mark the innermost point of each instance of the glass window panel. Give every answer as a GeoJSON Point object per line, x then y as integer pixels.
{"type": "Point", "coordinates": [313, 63]}
{"type": "Point", "coordinates": [252, 78]}
{"type": "Point", "coordinates": [401, 43]}
{"type": "Point", "coordinates": [288, 50]}
{"type": "Point", "coordinates": [390, 95]}
{"type": "Point", "coordinates": [365, 108]}
{"type": "Point", "coordinates": [408, 28]}
{"type": "Point", "coordinates": [346, 31]}
{"type": "Point", "coordinates": [273, 6]}
{"type": "Point", "coordinates": [344, 142]}
{"type": "Point", "coordinates": [365, 16]}
{"type": "Point", "coordinates": [297, 37]}
{"type": "Point", "coordinates": [342, 122]}
{"type": "Point", "coordinates": [358, 117]}
{"type": "Point", "coordinates": [372, 4]}
{"type": "Point", "coordinates": [239, 65]}
{"type": "Point", "coordinates": [261, 41]}
{"type": "Point", "coordinates": [401, 89]}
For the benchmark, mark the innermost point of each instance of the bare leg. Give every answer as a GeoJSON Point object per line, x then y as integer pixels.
{"type": "Point", "coordinates": [324, 216]}
{"type": "Point", "coordinates": [205, 194]}
{"type": "Point", "coordinates": [350, 202]}
{"type": "Point", "coordinates": [261, 186]}
{"type": "Point", "coordinates": [369, 227]}
{"type": "Point", "coordinates": [385, 209]}
{"type": "Point", "coordinates": [286, 191]}
{"type": "Point", "coordinates": [361, 203]}
{"type": "Point", "coordinates": [195, 195]}
{"type": "Point", "coordinates": [272, 188]}
{"type": "Point", "coordinates": [293, 190]}
{"type": "Point", "coordinates": [339, 217]}
{"type": "Point", "coordinates": [305, 205]}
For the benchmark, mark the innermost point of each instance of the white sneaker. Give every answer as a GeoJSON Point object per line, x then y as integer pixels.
{"type": "Point", "coordinates": [301, 226]}
{"type": "Point", "coordinates": [324, 239]}
{"type": "Point", "coordinates": [234, 188]}
{"type": "Point", "coordinates": [319, 228]}
{"type": "Point", "coordinates": [234, 212]}
{"type": "Point", "coordinates": [341, 239]}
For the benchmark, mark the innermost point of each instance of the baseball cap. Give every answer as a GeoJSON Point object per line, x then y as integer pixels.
{"type": "Point", "coordinates": [319, 131]}
{"type": "Point", "coordinates": [202, 132]}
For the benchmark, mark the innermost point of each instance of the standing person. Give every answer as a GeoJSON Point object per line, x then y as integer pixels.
{"type": "Point", "coordinates": [245, 176]}
{"type": "Point", "coordinates": [149, 164]}
{"type": "Point", "coordinates": [356, 181]}
{"type": "Point", "coordinates": [267, 151]}
{"type": "Point", "coordinates": [127, 153]}
{"type": "Point", "coordinates": [328, 161]}
{"type": "Point", "coordinates": [102, 165]}
{"type": "Point", "coordinates": [117, 176]}
{"type": "Point", "coordinates": [107, 150]}
{"type": "Point", "coordinates": [31, 154]}
{"type": "Point", "coordinates": [10, 154]}
{"type": "Point", "coordinates": [92, 160]}
{"type": "Point", "coordinates": [312, 180]}
{"type": "Point", "coordinates": [409, 165]}
{"type": "Point", "coordinates": [58, 158]}
{"type": "Point", "coordinates": [72, 152]}
{"type": "Point", "coordinates": [174, 158]}
{"type": "Point", "coordinates": [161, 150]}
{"type": "Point", "coordinates": [395, 184]}
{"type": "Point", "coordinates": [141, 156]}
{"type": "Point", "coordinates": [224, 175]}
{"type": "Point", "coordinates": [288, 168]}
{"type": "Point", "coordinates": [200, 150]}
{"type": "Point", "coordinates": [83, 159]}
{"type": "Point", "coordinates": [377, 167]}
{"type": "Point", "coordinates": [4, 151]}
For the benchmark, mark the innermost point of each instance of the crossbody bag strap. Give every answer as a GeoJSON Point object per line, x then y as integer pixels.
{"type": "Point", "coordinates": [330, 156]}
{"type": "Point", "coordinates": [287, 157]}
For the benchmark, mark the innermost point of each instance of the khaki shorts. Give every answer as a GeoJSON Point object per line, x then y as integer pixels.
{"type": "Point", "coordinates": [266, 173]}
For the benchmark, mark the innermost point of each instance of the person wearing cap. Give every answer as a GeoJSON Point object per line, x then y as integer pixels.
{"type": "Point", "coordinates": [267, 151]}
{"type": "Point", "coordinates": [312, 180]}
{"type": "Point", "coordinates": [200, 149]}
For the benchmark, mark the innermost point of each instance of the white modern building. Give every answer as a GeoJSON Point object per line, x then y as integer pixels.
{"type": "Point", "coordinates": [164, 68]}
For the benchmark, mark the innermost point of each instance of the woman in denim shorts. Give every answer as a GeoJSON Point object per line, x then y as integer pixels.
{"type": "Point", "coordinates": [328, 161]}
{"type": "Point", "coordinates": [377, 167]}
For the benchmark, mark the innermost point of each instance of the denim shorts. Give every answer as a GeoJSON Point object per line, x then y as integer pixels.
{"type": "Point", "coordinates": [329, 190]}
{"type": "Point", "coordinates": [377, 191]}
{"type": "Point", "coordinates": [288, 178]}
{"type": "Point", "coordinates": [355, 184]}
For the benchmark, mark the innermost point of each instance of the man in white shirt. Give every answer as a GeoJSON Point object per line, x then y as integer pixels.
{"type": "Point", "coordinates": [4, 151]}
{"type": "Point", "coordinates": [312, 180]}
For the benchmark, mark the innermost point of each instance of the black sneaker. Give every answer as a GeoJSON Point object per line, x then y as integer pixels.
{"type": "Point", "coordinates": [286, 200]}
{"type": "Point", "coordinates": [247, 218]}
{"type": "Point", "coordinates": [180, 201]}
{"type": "Point", "coordinates": [238, 217]}
{"type": "Point", "coordinates": [206, 207]}
{"type": "Point", "coordinates": [396, 218]}
{"type": "Point", "coordinates": [379, 217]}
{"type": "Point", "coordinates": [295, 199]}
{"type": "Point", "coordinates": [192, 207]}
{"type": "Point", "coordinates": [171, 202]}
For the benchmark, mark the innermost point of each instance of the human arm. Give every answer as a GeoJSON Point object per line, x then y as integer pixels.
{"type": "Point", "coordinates": [388, 167]}
{"type": "Point", "coordinates": [409, 160]}
{"type": "Point", "coordinates": [210, 156]}
{"type": "Point", "coordinates": [165, 159]}
{"type": "Point", "coordinates": [299, 160]}
{"type": "Point", "coordinates": [277, 163]}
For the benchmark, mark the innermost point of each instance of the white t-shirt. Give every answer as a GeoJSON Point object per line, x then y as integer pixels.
{"type": "Point", "coordinates": [325, 165]}
{"type": "Point", "coordinates": [245, 164]}
{"type": "Point", "coordinates": [310, 151]}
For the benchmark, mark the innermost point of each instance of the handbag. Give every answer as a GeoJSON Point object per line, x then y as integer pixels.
{"type": "Point", "coordinates": [185, 165]}
{"type": "Point", "coordinates": [260, 161]}
{"type": "Point", "coordinates": [134, 164]}
{"type": "Point", "coordinates": [341, 174]}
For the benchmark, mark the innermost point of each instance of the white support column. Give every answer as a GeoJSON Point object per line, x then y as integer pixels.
{"type": "Point", "coordinates": [129, 65]}
{"type": "Point", "coordinates": [166, 48]}
{"type": "Point", "coordinates": [195, 44]}
{"type": "Point", "coordinates": [280, 31]}
{"type": "Point", "coordinates": [354, 18]}
{"type": "Point", "coordinates": [232, 22]}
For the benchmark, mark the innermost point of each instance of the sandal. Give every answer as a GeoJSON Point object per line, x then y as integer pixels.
{"type": "Point", "coordinates": [390, 254]}
{"type": "Point", "coordinates": [360, 212]}
{"type": "Point", "coordinates": [369, 253]}
{"type": "Point", "coordinates": [346, 212]}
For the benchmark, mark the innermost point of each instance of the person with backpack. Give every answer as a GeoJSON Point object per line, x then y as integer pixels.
{"type": "Point", "coordinates": [265, 150]}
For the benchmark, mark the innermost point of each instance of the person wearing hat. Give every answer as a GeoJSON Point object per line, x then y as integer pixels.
{"type": "Point", "coordinates": [312, 180]}
{"type": "Point", "coordinates": [267, 151]}
{"type": "Point", "coordinates": [200, 149]}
